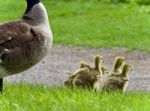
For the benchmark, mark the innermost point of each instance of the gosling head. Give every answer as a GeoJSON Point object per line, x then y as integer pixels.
{"type": "Point", "coordinates": [69, 81]}
{"type": "Point", "coordinates": [126, 69]}
{"type": "Point", "coordinates": [83, 64]}
{"type": "Point", "coordinates": [98, 60]}
{"type": "Point", "coordinates": [119, 62]}
{"type": "Point", "coordinates": [104, 70]}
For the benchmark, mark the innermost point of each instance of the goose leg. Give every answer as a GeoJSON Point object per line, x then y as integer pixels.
{"type": "Point", "coordinates": [1, 85]}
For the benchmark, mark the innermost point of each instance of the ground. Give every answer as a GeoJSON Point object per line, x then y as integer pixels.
{"type": "Point", "coordinates": [62, 59]}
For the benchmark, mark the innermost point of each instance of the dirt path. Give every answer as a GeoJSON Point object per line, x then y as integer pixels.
{"type": "Point", "coordinates": [52, 70]}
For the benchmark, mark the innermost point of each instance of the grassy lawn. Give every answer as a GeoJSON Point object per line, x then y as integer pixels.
{"type": "Point", "coordinates": [25, 97]}
{"type": "Point", "coordinates": [92, 24]}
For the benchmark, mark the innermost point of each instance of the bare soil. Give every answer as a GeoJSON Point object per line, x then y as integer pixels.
{"type": "Point", "coordinates": [62, 59]}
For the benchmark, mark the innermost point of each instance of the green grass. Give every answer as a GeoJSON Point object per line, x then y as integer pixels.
{"type": "Point", "coordinates": [92, 24]}
{"type": "Point", "coordinates": [25, 97]}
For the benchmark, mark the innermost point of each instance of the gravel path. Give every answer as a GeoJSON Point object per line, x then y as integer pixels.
{"type": "Point", "coordinates": [62, 59]}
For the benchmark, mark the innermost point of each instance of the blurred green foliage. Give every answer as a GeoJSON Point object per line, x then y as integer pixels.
{"type": "Point", "coordinates": [120, 1]}
{"type": "Point", "coordinates": [98, 24]}
{"type": "Point", "coordinates": [143, 2]}
{"type": "Point", "coordinates": [140, 2]}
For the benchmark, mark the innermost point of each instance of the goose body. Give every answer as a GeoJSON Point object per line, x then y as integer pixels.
{"type": "Point", "coordinates": [23, 43]}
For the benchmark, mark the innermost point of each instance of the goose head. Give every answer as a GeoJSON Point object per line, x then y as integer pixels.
{"type": "Point", "coordinates": [36, 14]}
{"type": "Point", "coordinates": [30, 4]}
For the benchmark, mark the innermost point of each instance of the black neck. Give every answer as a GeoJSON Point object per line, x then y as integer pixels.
{"type": "Point", "coordinates": [30, 4]}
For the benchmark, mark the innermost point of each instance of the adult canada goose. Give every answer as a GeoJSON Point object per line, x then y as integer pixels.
{"type": "Point", "coordinates": [23, 43]}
